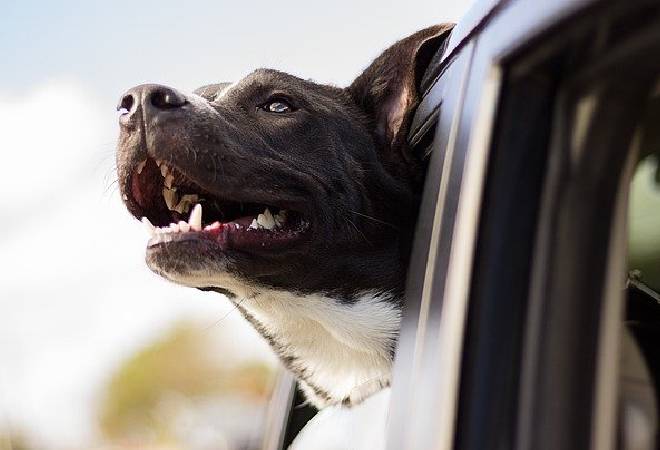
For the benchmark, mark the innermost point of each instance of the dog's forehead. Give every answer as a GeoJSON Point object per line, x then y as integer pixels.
{"type": "Point", "coordinates": [269, 78]}
{"type": "Point", "coordinates": [212, 90]}
{"type": "Point", "coordinates": [257, 82]}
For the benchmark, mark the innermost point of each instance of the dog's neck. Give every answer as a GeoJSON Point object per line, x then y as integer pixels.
{"type": "Point", "coordinates": [341, 352]}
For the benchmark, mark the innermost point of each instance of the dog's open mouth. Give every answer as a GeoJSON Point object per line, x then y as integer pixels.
{"type": "Point", "coordinates": [174, 208]}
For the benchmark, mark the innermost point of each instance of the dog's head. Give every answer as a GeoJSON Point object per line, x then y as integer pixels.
{"type": "Point", "coordinates": [300, 186]}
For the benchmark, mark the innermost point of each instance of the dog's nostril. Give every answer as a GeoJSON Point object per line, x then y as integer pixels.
{"type": "Point", "coordinates": [126, 103]}
{"type": "Point", "coordinates": [166, 99]}
{"type": "Point", "coordinates": [150, 99]}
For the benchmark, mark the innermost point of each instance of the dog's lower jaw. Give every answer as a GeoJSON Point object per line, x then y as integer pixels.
{"type": "Point", "coordinates": [340, 351]}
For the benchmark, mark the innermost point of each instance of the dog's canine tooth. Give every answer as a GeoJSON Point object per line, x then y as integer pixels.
{"type": "Point", "coordinates": [195, 220]}
{"type": "Point", "coordinates": [158, 162]}
{"type": "Point", "coordinates": [164, 170]}
{"type": "Point", "coordinates": [254, 225]}
{"type": "Point", "coordinates": [140, 166]}
{"type": "Point", "coordinates": [183, 226]}
{"type": "Point", "coordinates": [170, 198]}
{"type": "Point", "coordinates": [149, 227]}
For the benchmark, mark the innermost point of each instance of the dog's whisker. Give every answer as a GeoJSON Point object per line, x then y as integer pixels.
{"type": "Point", "coordinates": [359, 231]}
{"type": "Point", "coordinates": [366, 216]}
{"type": "Point", "coordinates": [110, 188]}
{"type": "Point", "coordinates": [235, 307]}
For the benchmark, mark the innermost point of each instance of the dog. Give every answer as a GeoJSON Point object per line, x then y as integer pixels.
{"type": "Point", "coordinates": [296, 200]}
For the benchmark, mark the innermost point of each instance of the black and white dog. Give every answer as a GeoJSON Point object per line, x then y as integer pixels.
{"type": "Point", "coordinates": [296, 200]}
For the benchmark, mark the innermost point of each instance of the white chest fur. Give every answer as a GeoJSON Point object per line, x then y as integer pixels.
{"type": "Point", "coordinates": [341, 351]}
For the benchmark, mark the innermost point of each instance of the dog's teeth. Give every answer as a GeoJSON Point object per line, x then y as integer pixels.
{"type": "Point", "coordinates": [174, 227]}
{"type": "Point", "coordinates": [261, 220]}
{"type": "Point", "coordinates": [266, 220]}
{"type": "Point", "coordinates": [183, 226]}
{"type": "Point", "coordinates": [158, 162]}
{"type": "Point", "coordinates": [186, 202]}
{"type": "Point", "coordinates": [140, 166]}
{"type": "Point", "coordinates": [170, 198]}
{"type": "Point", "coordinates": [164, 170]}
{"type": "Point", "coordinates": [268, 214]}
{"type": "Point", "coordinates": [280, 218]}
{"type": "Point", "coordinates": [254, 225]}
{"type": "Point", "coordinates": [195, 220]}
{"type": "Point", "coordinates": [125, 197]}
{"type": "Point", "coordinates": [149, 227]}
{"type": "Point", "coordinates": [213, 226]}
{"type": "Point", "coordinates": [169, 179]}
{"type": "Point", "coordinates": [182, 207]}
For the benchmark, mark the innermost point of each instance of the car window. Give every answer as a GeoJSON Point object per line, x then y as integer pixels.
{"type": "Point", "coordinates": [644, 220]}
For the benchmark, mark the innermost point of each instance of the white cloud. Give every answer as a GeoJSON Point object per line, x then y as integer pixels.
{"type": "Point", "coordinates": [47, 136]}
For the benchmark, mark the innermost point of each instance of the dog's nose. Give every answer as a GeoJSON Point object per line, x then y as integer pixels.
{"type": "Point", "coordinates": [151, 98]}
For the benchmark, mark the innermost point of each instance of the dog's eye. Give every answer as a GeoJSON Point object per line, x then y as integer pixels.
{"type": "Point", "coordinates": [278, 106]}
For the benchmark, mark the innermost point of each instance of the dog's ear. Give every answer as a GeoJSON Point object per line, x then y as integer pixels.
{"type": "Point", "coordinates": [388, 90]}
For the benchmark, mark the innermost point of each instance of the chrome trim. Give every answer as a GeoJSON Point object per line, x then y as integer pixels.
{"type": "Point", "coordinates": [278, 411]}
{"type": "Point", "coordinates": [452, 325]}
{"type": "Point", "coordinates": [606, 399]}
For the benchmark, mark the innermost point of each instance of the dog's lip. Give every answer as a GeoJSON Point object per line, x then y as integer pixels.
{"type": "Point", "coordinates": [254, 231]}
{"type": "Point", "coordinates": [228, 236]}
{"type": "Point", "coordinates": [148, 202]}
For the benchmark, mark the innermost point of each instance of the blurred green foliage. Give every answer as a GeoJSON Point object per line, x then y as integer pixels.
{"type": "Point", "coordinates": [184, 364]}
{"type": "Point", "coordinates": [13, 441]}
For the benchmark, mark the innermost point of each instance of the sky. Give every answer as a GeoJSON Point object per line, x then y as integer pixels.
{"type": "Point", "coordinates": [75, 295]}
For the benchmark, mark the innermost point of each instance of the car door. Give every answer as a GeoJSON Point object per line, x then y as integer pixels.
{"type": "Point", "coordinates": [522, 328]}
{"type": "Point", "coordinates": [514, 329]}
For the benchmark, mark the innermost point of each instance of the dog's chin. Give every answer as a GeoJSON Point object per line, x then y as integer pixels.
{"type": "Point", "coordinates": [196, 263]}
{"type": "Point", "coordinates": [193, 264]}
